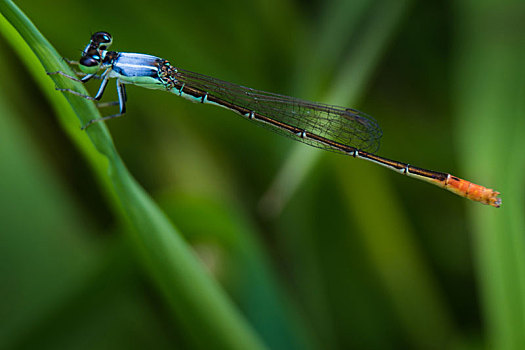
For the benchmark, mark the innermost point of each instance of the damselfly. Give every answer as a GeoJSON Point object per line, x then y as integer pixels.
{"type": "Point", "coordinates": [339, 129]}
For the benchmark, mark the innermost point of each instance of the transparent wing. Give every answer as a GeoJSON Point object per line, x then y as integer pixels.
{"type": "Point", "coordinates": [344, 125]}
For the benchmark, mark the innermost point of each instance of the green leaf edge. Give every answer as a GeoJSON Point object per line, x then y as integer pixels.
{"type": "Point", "coordinates": [196, 300]}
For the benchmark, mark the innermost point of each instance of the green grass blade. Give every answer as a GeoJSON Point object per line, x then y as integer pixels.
{"type": "Point", "coordinates": [208, 317]}
{"type": "Point", "coordinates": [229, 241]}
{"type": "Point", "coordinates": [490, 107]}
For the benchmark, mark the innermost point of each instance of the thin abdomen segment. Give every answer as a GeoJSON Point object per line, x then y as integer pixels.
{"type": "Point", "coordinates": [447, 181]}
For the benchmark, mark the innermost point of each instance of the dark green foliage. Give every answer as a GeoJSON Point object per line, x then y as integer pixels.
{"type": "Point", "coordinates": [204, 231]}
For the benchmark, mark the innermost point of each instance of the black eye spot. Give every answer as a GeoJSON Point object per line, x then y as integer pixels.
{"type": "Point", "coordinates": [101, 37]}
{"type": "Point", "coordinates": [89, 61]}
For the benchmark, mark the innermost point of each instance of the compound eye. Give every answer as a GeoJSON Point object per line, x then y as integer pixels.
{"type": "Point", "coordinates": [102, 38]}
{"type": "Point", "coordinates": [89, 61]}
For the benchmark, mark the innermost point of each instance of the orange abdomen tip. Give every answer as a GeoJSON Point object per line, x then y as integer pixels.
{"type": "Point", "coordinates": [472, 191]}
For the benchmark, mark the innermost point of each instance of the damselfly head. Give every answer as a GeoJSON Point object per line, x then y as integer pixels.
{"type": "Point", "coordinates": [90, 61]}
{"type": "Point", "coordinates": [99, 41]}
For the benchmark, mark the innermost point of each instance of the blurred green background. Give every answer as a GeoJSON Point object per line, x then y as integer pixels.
{"type": "Point", "coordinates": [313, 250]}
